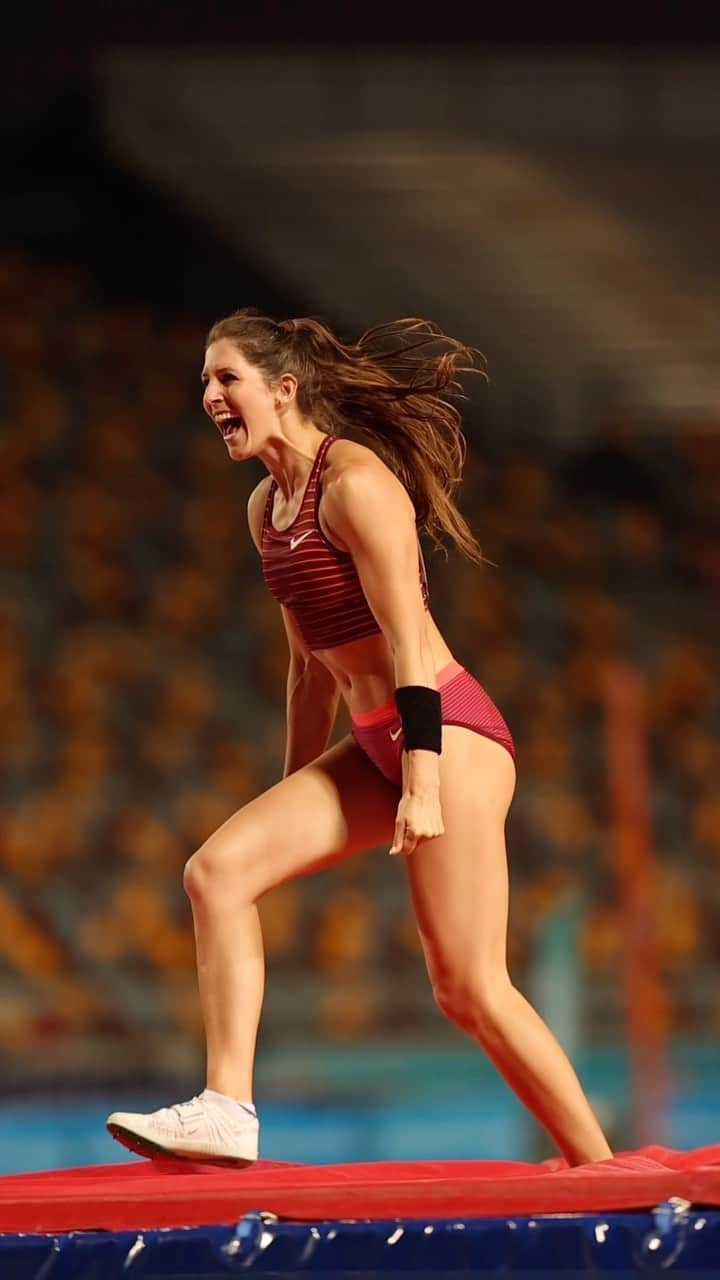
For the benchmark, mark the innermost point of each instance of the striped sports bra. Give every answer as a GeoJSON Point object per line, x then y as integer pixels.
{"type": "Point", "coordinates": [316, 581]}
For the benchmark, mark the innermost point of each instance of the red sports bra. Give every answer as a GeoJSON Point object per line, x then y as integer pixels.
{"type": "Point", "coordinates": [316, 581]}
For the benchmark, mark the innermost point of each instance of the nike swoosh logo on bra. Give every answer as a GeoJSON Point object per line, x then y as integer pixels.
{"type": "Point", "coordinates": [395, 736]}
{"type": "Point", "coordinates": [295, 542]}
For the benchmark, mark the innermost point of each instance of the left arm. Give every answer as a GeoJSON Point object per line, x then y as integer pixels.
{"type": "Point", "coordinates": [374, 518]}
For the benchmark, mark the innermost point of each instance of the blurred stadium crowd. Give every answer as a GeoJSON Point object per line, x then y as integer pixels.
{"type": "Point", "coordinates": [142, 681]}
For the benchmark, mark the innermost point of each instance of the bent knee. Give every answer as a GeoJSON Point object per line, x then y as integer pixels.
{"type": "Point", "coordinates": [475, 1002]}
{"type": "Point", "coordinates": [199, 875]}
{"type": "Point", "coordinates": [218, 875]}
{"type": "Point", "coordinates": [194, 878]}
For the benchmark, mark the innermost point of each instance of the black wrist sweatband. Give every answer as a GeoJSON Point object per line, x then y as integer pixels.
{"type": "Point", "coordinates": [420, 712]}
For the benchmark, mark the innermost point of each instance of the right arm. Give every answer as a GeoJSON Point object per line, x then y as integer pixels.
{"type": "Point", "coordinates": [312, 702]}
{"type": "Point", "coordinates": [312, 692]}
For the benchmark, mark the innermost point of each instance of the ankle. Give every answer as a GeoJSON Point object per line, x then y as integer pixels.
{"type": "Point", "coordinates": [230, 1101]}
{"type": "Point", "coordinates": [239, 1088]}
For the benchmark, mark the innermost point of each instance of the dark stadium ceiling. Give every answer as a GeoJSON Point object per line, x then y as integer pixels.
{"type": "Point", "coordinates": [83, 24]}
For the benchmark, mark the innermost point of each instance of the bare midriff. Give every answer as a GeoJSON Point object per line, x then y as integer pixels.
{"type": "Point", "coordinates": [364, 669]}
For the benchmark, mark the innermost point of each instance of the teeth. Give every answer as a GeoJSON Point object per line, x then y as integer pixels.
{"type": "Point", "coordinates": [229, 423]}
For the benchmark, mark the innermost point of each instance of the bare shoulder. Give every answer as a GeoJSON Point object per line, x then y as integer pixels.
{"type": "Point", "coordinates": [360, 489]}
{"type": "Point", "coordinates": [347, 453]}
{"type": "Point", "coordinates": [256, 508]}
{"type": "Point", "coordinates": [351, 465]}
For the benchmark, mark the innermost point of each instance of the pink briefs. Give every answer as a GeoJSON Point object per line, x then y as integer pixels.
{"type": "Point", "coordinates": [463, 701]}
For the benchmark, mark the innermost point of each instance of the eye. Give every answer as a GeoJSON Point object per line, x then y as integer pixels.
{"type": "Point", "coordinates": [227, 377]}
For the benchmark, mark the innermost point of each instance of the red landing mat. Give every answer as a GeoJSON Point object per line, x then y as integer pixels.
{"type": "Point", "coordinates": [165, 1193]}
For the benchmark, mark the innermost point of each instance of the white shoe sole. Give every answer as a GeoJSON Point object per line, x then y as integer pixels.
{"type": "Point", "coordinates": [143, 1146]}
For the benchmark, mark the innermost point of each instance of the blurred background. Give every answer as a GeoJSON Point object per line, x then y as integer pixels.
{"type": "Point", "coordinates": [550, 196]}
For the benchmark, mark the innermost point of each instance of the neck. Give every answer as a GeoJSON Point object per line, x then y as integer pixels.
{"type": "Point", "coordinates": [290, 459]}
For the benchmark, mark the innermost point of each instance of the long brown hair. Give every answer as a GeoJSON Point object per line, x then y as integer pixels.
{"type": "Point", "coordinates": [386, 390]}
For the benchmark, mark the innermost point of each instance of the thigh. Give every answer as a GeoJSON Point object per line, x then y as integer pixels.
{"type": "Point", "coordinates": [459, 881]}
{"type": "Point", "coordinates": [332, 808]}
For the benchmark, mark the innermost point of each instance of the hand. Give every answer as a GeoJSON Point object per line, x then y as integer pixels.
{"type": "Point", "coordinates": [418, 819]}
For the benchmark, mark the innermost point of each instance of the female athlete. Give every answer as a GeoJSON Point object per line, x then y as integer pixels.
{"type": "Point", "coordinates": [363, 449]}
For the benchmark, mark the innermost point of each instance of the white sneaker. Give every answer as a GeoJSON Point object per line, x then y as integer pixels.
{"type": "Point", "coordinates": [200, 1129]}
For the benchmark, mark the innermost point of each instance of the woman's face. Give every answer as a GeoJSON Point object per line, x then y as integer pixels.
{"type": "Point", "coordinates": [237, 398]}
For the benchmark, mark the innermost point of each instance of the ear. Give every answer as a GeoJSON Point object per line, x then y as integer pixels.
{"type": "Point", "coordinates": [286, 389]}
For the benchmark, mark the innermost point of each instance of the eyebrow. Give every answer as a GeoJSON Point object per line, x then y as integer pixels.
{"type": "Point", "coordinates": [225, 368]}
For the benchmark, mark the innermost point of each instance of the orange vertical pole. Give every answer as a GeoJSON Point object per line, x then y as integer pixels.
{"type": "Point", "coordinates": [625, 697]}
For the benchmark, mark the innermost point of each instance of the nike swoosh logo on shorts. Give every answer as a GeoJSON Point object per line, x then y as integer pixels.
{"type": "Point", "coordinates": [295, 542]}
{"type": "Point", "coordinates": [395, 736]}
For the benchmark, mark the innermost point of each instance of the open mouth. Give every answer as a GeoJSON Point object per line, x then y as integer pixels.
{"type": "Point", "coordinates": [228, 426]}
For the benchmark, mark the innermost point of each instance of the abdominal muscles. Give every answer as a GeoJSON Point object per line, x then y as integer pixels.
{"type": "Point", "coordinates": [364, 669]}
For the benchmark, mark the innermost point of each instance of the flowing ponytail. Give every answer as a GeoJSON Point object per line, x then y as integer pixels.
{"type": "Point", "coordinates": [388, 391]}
